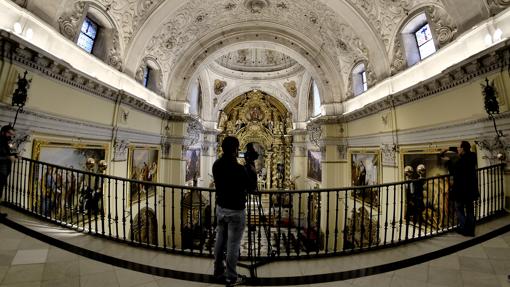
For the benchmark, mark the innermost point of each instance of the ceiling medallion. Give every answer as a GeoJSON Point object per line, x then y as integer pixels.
{"type": "Point", "coordinates": [256, 6]}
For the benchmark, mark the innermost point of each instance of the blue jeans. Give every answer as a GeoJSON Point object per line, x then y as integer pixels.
{"type": "Point", "coordinates": [229, 232]}
{"type": "Point", "coordinates": [466, 215]}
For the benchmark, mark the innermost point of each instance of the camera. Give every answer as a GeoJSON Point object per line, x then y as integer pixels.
{"type": "Point", "coordinates": [250, 155]}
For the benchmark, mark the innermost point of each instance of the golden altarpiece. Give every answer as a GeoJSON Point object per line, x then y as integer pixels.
{"type": "Point", "coordinates": [258, 118]}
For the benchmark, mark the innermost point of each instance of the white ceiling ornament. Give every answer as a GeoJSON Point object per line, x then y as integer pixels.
{"type": "Point", "coordinates": [69, 22]}
{"type": "Point", "coordinates": [497, 5]}
{"type": "Point", "coordinates": [385, 15]}
{"type": "Point", "coordinates": [256, 60]}
{"type": "Point", "coordinates": [130, 14]}
{"type": "Point", "coordinates": [256, 6]}
{"type": "Point", "coordinates": [442, 24]}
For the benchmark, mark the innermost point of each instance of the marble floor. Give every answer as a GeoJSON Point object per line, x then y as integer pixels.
{"type": "Point", "coordinates": [27, 261]}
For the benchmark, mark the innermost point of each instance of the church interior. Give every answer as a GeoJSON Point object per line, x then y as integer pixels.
{"type": "Point", "coordinates": [120, 108]}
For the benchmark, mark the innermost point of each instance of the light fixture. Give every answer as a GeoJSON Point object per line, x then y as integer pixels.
{"type": "Point", "coordinates": [488, 40]}
{"type": "Point", "coordinates": [29, 34]}
{"type": "Point", "coordinates": [17, 28]}
{"type": "Point", "coordinates": [497, 35]}
{"type": "Point", "coordinates": [491, 103]}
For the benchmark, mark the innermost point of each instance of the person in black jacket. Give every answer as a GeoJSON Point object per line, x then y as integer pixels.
{"type": "Point", "coordinates": [232, 181]}
{"type": "Point", "coordinates": [465, 189]}
{"type": "Point", "coordinates": [7, 156]}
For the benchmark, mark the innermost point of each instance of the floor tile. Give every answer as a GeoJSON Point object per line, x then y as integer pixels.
{"type": "Point", "coordinates": [128, 278]}
{"type": "Point", "coordinates": [61, 270]}
{"type": "Point", "coordinates": [475, 264]}
{"type": "Point", "coordinates": [442, 276]}
{"type": "Point", "coordinates": [62, 282]}
{"type": "Point", "coordinates": [450, 262]}
{"type": "Point", "coordinates": [24, 273]}
{"type": "Point", "coordinates": [479, 279]}
{"type": "Point", "coordinates": [30, 256]}
{"type": "Point", "coordinates": [103, 279]}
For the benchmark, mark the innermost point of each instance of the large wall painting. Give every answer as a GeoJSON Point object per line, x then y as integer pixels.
{"type": "Point", "coordinates": [365, 167]}
{"type": "Point", "coordinates": [192, 158]}
{"type": "Point", "coordinates": [64, 191]}
{"type": "Point", "coordinates": [314, 170]}
{"type": "Point", "coordinates": [143, 166]}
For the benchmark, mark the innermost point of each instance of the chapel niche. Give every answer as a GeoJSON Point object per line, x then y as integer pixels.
{"type": "Point", "coordinates": [258, 118]}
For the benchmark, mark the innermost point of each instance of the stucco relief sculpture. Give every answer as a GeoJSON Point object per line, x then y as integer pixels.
{"type": "Point", "coordinates": [69, 22]}
{"type": "Point", "coordinates": [219, 86]}
{"type": "Point", "coordinates": [388, 154]}
{"type": "Point", "coordinates": [256, 6]}
{"type": "Point", "coordinates": [120, 149]}
{"type": "Point", "coordinates": [443, 25]}
{"type": "Point", "coordinates": [291, 88]}
{"type": "Point", "coordinates": [398, 62]}
{"type": "Point", "coordinates": [497, 5]}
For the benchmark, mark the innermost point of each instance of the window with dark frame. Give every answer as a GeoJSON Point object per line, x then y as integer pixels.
{"type": "Point", "coordinates": [364, 80]}
{"type": "Point", "coordinates": [146, 75]}
{"type": "Point", "coordinates": [424, 41]}
{"type": "Point", "coordinates": [88, 34]}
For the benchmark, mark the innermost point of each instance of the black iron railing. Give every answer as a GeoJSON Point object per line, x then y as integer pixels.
{"type": "Point", "coordinates": [281, 224]}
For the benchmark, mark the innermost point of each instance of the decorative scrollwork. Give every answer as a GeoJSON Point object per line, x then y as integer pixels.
{"type": "Point", "coordinates": [443, 25]}
{"type": "Point", "coordinates": [314, 133]}
{"type": "Point", "coordinates": [120, 148]}
{"type": "Point", "coordinates": [68, 24]}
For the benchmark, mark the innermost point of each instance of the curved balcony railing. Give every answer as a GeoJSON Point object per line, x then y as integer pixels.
{"type": "Point", "coordinates": [281, 224]}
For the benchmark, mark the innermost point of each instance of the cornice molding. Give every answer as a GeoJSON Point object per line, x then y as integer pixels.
{"type": "Point", "coordinates": [490, 60]}
{"type": "Point", "coordinates": [47, 66]}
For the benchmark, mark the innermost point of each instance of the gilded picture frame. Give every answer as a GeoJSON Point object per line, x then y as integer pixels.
{"type": "Point", "coordinates": [192, 158]}
{"type": "Point", "coordinates": [143, 165]}
{"type": "Point", "coordinates": [314, 168]}
{"type": "Point", "coordinates": [64, 186]}
{"type": "Point", "coordinates": [365, 167]}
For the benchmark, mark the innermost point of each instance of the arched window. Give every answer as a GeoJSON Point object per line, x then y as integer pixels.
{"type": "Point", "coordinates": [149, 75]}
{"type": "Point", "coordinates": [314, 100]}
{"type": "Point", "coordinates": [195, 98]}
{"type": "Point", "coordinates": [147, 71]}
{"type": "Point", "coordinates": [98, 36]}
{"type": "Point", "coordinates": [88, 33]}
{"type": "Point", "coordinates": [359, 79]}
{"type": "Point", "coordinates": [418, 39]}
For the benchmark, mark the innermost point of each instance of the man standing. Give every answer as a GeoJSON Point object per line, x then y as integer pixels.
{"type": "Point", "coordinates": [7, 156]}
{"type": "Point", "coordinates": [232, 183]}
{"type": "Point", "coordinates": [465, 189]}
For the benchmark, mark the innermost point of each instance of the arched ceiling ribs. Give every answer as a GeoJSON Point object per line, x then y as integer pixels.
{"type": "Point", "coordinates": [323, 68]}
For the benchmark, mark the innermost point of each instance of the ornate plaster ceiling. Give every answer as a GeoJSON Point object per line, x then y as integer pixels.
{"type": "Point", "coordinates": [256, 60]}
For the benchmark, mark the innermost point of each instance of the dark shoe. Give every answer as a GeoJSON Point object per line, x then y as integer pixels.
{"type": "Point", "coordinates": [241, 279]}
{"type": "Point", "coordinates": [220, 279]}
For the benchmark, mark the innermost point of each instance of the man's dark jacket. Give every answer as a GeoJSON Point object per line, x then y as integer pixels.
{"type": "Point", "coordinates": [5, 152]}
{"type": "Point", "coordinates": [465, 180]}
{"type": "Point", "coordinates": [232, 182]}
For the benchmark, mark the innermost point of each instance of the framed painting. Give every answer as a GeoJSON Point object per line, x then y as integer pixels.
{"type": "Point", "coordinates": [314, 169]}
{"type": "Point", "coordinates": [70, 155]}
{"type": "Point", "coordinates": [426, 201]}
{"type": "Point", "coordinates": [71, 191]}
{"type": "Point", "coordinates": [143, 166]}
{"type": "Point", "coordinates": [365, 166]}
{"type": "Point", "coordinates": [192, 157]}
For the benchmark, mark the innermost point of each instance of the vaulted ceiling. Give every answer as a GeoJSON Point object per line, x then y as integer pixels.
{"type": "Point", "coordinates": [264, 44]}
